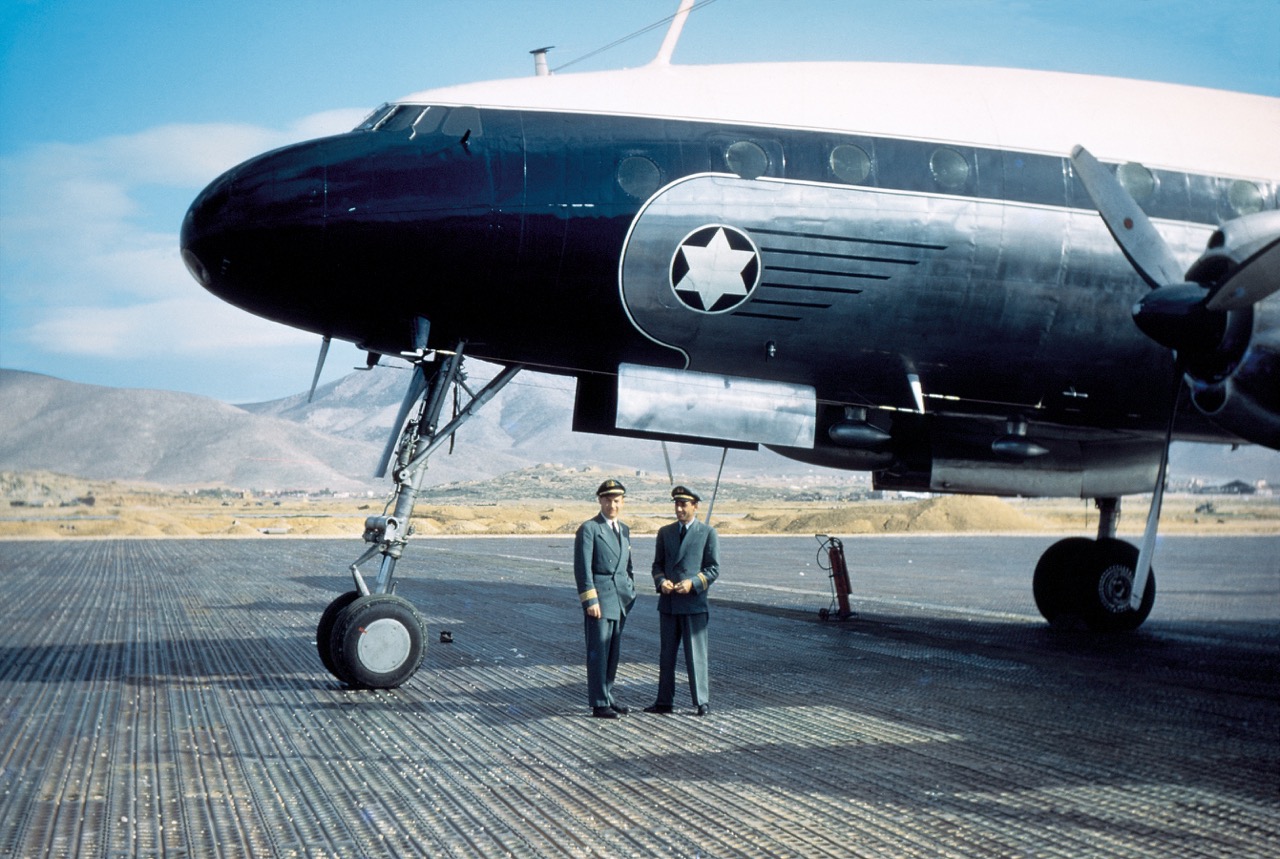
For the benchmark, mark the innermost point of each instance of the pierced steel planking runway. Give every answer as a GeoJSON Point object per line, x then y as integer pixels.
{"type": "Point", "coordinates": [164, 698]}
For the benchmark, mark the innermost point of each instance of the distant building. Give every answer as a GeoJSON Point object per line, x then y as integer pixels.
{"type": "Point", "coordinates": [1235, 487]}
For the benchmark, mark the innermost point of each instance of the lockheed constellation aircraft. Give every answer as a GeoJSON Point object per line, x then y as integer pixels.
{"type": "Point", "coordinates": [917, 271]}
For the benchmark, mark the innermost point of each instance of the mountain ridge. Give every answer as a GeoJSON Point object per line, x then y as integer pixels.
{"type": "Point", "coordinates": [180, 439]}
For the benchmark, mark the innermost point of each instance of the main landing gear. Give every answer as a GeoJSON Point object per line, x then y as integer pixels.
{"type": "Point", "coordinates": [370, 638]}
{"type": "Point", "coordinates": [1090, 583]}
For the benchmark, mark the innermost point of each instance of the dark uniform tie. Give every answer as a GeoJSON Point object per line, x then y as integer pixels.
{"type": "Point", "coordinates": [683, 529]}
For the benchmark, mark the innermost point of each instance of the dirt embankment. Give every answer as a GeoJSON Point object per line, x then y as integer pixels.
{"type": "Point", "coordinates": [54, 507]}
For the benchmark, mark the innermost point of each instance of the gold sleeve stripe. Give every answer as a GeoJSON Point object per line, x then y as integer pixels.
{"type": "Point", "coordinates": [702, 579]}
{"type": "Point", "coordinates": [587, 596]}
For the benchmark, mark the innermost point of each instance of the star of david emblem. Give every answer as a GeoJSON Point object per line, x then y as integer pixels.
{"type": "Point", "coordinates": [715, 268]}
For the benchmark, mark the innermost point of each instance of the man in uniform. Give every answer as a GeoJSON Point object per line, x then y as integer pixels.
{"type": "Point", "coordinates": [606, 590]}
{"type": "Point", "coordinates": [685, 563]}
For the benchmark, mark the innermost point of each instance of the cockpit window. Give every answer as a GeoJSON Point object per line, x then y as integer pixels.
{"type": "Point", "coordinates": [429, 120]}
{"type": "Point", "coordinates": [371, 121]}
{"type": "Point", "coordinates": [424, 119]}
{"type": "Point", "coordinates": [401, 117]}
{"type": "Point", "coordinates": [461, 120]}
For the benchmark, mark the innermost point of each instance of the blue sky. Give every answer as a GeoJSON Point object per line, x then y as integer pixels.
{"type": "Point", "coordinates": [113, 115]}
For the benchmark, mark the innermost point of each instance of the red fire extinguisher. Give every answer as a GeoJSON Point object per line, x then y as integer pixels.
{"type": "Point", "coordinates": [839, 572]}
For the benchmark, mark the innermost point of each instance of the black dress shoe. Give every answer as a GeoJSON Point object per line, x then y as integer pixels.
{"type": "Point", "coordinates": [703, 709]}
{"type": "Point", "coordinates": [603, 713]}
{"type": "Point", "coordinates": [658, 708]}
{"type": "Point", "coordinates": [620, 709]}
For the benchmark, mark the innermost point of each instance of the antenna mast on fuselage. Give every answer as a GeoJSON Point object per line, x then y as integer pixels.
{"type": "Point", "coordinates": [664, 53]}
{"type": "Point", "coordinates": [673, 34]}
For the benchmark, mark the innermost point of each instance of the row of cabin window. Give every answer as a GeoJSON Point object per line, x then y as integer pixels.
{"type": "Point", "coordinates": [948, 169]}
{"type": "Point", "coordinates": [849, 163]}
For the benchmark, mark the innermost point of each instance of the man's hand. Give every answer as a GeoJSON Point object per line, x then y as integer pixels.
{"type": "Point", "coordinates": [593, 611]}
{"type": "Point", "coordinates": [668, 586]}
{"type": "Point", "coordinates": [684, 587]}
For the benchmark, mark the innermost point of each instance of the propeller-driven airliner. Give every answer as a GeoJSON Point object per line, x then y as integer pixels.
{"type": "Point", "coordinates": [928, 273]}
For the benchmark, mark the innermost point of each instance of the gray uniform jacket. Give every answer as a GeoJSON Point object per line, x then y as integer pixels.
{"type": "Point", "coordinates": [602, 568]}
{"type": "Point", "coordinates": [697, 558]}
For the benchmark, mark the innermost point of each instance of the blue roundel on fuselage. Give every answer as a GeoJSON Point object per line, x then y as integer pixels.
{"type": "Point", "coordinates": [715, 268]}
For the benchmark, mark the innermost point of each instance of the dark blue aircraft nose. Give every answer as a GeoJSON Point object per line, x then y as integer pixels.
{"type": "Point", "coordinates": [348, 236]}
{"type": "Point", "coordinates": [254, 237]}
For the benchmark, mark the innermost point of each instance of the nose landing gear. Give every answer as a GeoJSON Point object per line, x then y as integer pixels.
{"type": "Point", "coordinates": [370, 638]}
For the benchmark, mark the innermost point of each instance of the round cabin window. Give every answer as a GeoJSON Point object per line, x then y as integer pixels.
{"type": "Point", "coordinates": [638, 176]}
{"type": "Point", "coordinates": [1137, 180]}
{"type": "Point", "coordinates": [850, 163]}
{"type": "Point", "coordinates": [949, 168]}
{"type": "Point", "coordinates": [746, 159]}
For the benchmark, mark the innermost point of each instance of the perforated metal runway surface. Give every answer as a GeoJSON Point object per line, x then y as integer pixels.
{"type": "Point", "coordinates": [165, 699]}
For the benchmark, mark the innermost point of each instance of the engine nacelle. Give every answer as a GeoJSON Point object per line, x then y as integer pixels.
{"type": "Point", "coordinates": [1245, 399]}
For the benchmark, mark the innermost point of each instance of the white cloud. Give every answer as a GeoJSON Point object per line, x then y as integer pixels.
{"type": "Point", "coordinates": [89, 257]}
{"type": "Point", "coordinates": [191, 156]}
{"type": "Point", "coordinates": [196, 325]}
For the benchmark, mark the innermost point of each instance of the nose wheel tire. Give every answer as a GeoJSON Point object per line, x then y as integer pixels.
{"type": "Point", "coordinates": [1081, 582]}
{"type": "Point", "coordinates": [376, 641]}
{"type": "Point", "coordinates": [324, 630]}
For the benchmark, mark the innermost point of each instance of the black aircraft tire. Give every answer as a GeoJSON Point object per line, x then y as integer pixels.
{"type": "Point", "coordinates": [1105, 589]}
{"type": "Point", "coordinates": [378, 642]}
{"type": "Point", "coordinates": [1055, 584]}
{"type": "Point", "coordinates": [324, 631]}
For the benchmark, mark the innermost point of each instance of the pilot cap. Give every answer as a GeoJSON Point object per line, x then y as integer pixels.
{"type": "Point", "coordinates": [611, 487]}
{"type": "Point", "coordinates": [680, 493]}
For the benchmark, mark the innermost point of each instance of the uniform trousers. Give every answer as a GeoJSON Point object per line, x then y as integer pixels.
{"type": "Point", "coordinates": [689, 631]}
{"type": "Point", "coordinates": [604, 643]}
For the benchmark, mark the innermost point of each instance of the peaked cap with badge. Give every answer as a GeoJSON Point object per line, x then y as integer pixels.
{"type": "Point", "coordinates": [680, 493]}
{"type": "Point", "coordinates": [611, 487]}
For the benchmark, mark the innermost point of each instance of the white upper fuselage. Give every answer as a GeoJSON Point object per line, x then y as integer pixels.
{"type": "Point", "coordinates": [1163, 126]}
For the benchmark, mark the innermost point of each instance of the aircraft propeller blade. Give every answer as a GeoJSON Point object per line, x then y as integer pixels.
{"type": "Point", "coordinates": [315, 379]}
{"type": "Point", "coordinates": [1129, 225]}
{"type": "Point", "coordinates": [1142, 569]}
{"type": "Point", "coordinates": [1247, 281]}
{"type": "Point", "coordinates": [1256, 278]}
